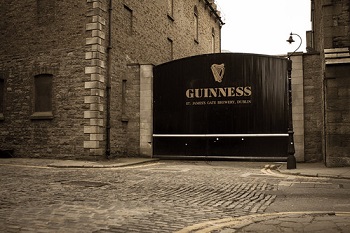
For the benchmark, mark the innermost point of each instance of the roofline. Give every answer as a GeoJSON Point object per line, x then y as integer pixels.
{"type": "Point", "coordinates": [214, 11]}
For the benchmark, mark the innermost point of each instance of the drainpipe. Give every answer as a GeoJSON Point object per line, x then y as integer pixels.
{"type": "Point", "coordinates": [108, 82]}
{"type": "Point", "coordinates": [220, 38]}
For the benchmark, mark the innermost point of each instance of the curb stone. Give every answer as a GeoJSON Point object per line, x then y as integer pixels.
{"type": "Point", "coordinates": [297, 173]}
{"type": "Point", "coordinates": [87, 164]}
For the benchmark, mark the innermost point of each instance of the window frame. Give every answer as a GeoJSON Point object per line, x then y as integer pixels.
{"type": "Point", "coordinates": [196, 24]}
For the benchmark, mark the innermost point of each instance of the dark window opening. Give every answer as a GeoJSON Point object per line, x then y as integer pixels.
{"type": "Point", "coordinates": [2, 98]}
{"type": "Point", "coordinates": [195, 24]}
{"type": "Point", "coordinates": [45, 11]}
{"type": "Point", "coordinates": [42, 96]}
{"type": "Point", "coordinates": [128, 15]}
{"type": "Point", "coordinates": [213, 40]}
{"type": "Point", "coordinates": [171, 48]}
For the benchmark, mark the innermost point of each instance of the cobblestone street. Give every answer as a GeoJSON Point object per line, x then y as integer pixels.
{"type": "Point", "coordinates": [166, 196]}
{"type": "Point", "coordinates": [162, 197]}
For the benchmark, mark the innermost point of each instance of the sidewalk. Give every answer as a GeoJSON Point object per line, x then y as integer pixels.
{"type": "Point", "coordinates": [288, 222]}
{"type": "Point", "coordinates": [303, 169]}
{"type": "Point", "coordinates": [316, 170]}
{"type": "Point", "coordinates": [56, 163]}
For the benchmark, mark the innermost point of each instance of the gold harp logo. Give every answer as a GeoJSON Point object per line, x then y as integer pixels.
{"type": "Point", "coordinates": [218, 72]}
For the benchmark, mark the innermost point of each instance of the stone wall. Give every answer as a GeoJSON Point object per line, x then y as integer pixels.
{"type": "Point", "coordinates": [70, 40]}
{"type": "Point", "coordinates": [152, 37]}
{"type": "Point", "coordinates": [326, 84]}
{"type": "Point", "coordinates": [45, 38]}
{"type": "Point", "coordinates": [336, 21]}
{"type": "Point", "coordinates": [298, 105]}
{"type": "Point", "coordinates": [313, 108]}
{"type": "Point", "coordinates": [337, 115]}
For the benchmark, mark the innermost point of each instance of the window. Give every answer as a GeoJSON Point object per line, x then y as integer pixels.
{"type": "Point", "coordinates": [124, 99]}
{"type": "Point", "coordinates": [171, 9]}
{"type": "Point", "coordinates": [195, 24]}
{"type": "Point", "coordinates": [212, 40]}
{"type": "Point", "coordinates": [42, 96]}
{"type": "Point", "coordinates": [45, 11]}
{"type": "Point", "coordinates": [2, 95]}
{"type": "Point", "coordinates": [128, 15]}
{"type": "Point", "coordinates": [171, 49]}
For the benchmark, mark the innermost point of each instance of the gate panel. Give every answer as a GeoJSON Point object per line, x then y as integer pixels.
{"type": "Point", "coordinates": [231, 105]}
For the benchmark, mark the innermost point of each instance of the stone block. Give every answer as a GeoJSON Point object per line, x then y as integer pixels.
{"type": "Point", "coordinates": [93, 26]}
{"type": "Point", "coordinates": [98, 48]}
{"type": "Point", "coordinates": [97, 122]}
{"type": "Point", "coordinates": [93, 84]}
{"type": "Point", "coordinates": [98, 33]}
{"type": "Point", "coordinates": [97, 152]}
{"type": "Point", "coordinates": [93, 130]}
{"type": "Point", "coordinates": [99, 19]}
{"type": "Point", "coordinates": [96, 107]}
{"type": "Point", "coordinates": [93, 40]}
{"type": "Point", "coordinates": [92, 99]}
{"type": "Point", "coordinates": [96, 137]}
{"type": "Point", "coordinates": [91, 114]}
{"type": "Point", "coordinates": [93, 70]}
{"type": "Point", "coordinates": [91, 144]}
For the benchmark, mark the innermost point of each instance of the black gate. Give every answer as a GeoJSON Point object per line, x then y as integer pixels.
{"type": "Point", "coordinates": [221, 105]}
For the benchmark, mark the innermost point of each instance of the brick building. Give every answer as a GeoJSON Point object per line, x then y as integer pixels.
{"type": "Point", "coordinates": [75, 77]}
{"type": "Point", "coordinates": [321, 86]}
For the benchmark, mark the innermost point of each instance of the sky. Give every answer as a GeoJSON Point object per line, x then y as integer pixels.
{"type": "Point", "coordinates": [263, 26]}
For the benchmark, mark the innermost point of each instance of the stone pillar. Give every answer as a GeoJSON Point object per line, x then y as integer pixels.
{"type": "Point", "coordinates": [146, 110]}
{"type": "Point", "coordinates": [298, 105]}
{"type": "Point", "coordinates": [94, 82]}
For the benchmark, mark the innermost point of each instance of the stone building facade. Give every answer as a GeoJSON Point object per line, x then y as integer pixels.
{"type": "Point", "coordinates": [325, 69]}
{"type": "Point", "coordinates": [75, 77]}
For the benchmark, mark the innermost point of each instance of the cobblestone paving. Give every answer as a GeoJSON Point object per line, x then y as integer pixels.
{"type": "Point", "coordinates": [316, 223]}
{"type": "Point", "coordinates": [161, 197]}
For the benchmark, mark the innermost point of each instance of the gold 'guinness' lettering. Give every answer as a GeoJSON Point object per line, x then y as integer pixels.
{"type": "Point", "coordinates": [248, 91]}
{"type": "Point", "coordinates": [198, 93]}
{"type": "Point", "coordinates": [190, 93]}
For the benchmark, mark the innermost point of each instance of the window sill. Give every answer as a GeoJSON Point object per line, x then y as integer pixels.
{"type": "Point", "coordinates": [171, 18]}
{"type": "Point", "coordinates": [124, 119]}
{"type": "Point", "coordinates": [41, 116]}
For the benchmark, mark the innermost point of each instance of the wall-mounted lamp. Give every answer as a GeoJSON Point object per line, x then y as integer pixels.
{"type": "Point", "coordinates": [291, 40]}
